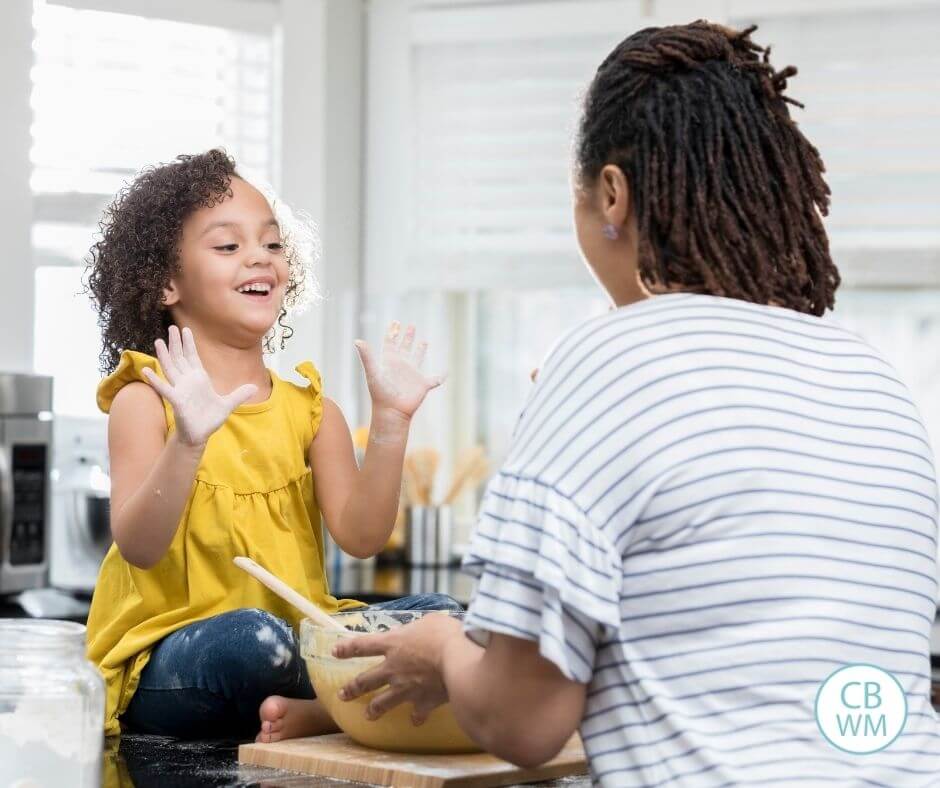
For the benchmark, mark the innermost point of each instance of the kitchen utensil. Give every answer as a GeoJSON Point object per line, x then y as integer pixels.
{"type": "Point", "coordinates": [471, 469]}
{"type": "Point", "coordinates": [424, 463]}
{"type": "Point", "coordinates": [285, 592]}
{"type": "Point", "coordinates": [428, 533]}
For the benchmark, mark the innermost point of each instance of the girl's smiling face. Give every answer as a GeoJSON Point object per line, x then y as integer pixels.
{"type": "Point", "coordinates": [233, 271]}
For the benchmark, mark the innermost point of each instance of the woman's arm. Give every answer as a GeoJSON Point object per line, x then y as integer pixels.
{"type": "Point", "coordinates": [360, 505]}
{"type": "Point", "coordinates": [509, 699]}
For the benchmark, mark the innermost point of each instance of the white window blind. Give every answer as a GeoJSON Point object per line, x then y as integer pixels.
{"type": "Point", "coordinates": [494, 117]}
{"type": "Point", "coordinates": [494, 121]}
{"type": "Point", "coordinates": [494, 125]}
{"type": "Point", "coordinates": [869, 81]}
{"type": "Point", "coordinates": [111, 94]}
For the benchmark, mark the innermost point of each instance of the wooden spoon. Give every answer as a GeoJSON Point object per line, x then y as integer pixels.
{"type": "Point", "coordinates": [287, 593]}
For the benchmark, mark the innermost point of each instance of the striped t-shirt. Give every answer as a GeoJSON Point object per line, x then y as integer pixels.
{"type": "Point", "coordinates": [708, 507]}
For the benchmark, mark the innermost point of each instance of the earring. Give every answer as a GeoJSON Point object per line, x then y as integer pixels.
{"type": "Point", "coordinates": [610, 232]}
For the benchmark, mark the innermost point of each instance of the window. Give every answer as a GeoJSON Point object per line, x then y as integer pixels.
{"type": "Point", "coordinates": [471, 110]}
{"type": "Point", "coordinates": [868, 79]}
{"type": "Point", "coordinates": [112, 93]}
{"type": "Point", "coordinates": [516, 328]}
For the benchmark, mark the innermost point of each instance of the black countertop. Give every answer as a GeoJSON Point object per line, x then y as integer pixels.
{"type": "Point", "coordinates": [362, 580]}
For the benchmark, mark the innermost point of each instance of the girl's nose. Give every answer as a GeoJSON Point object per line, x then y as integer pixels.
{"type": "Point", "coordinates": [260, 255]}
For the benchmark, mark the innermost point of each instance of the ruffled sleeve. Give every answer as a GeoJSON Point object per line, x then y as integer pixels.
{"type": "Point", "coordinates": [130, 368]}
{"type": "Point", "coordinates": [315, 393]}
{"type": "Point", "coordinates": [545, 572]}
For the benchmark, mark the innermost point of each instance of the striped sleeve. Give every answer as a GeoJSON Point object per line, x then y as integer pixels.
{"type": "Point", "coordinates": [545, 573]}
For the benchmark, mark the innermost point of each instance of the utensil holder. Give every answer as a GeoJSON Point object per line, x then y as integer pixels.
{"type": "Point", "coordinates": [428, 533]}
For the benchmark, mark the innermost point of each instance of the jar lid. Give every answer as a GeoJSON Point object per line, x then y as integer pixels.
{"type": "Point", "coordinates": [40, 635]}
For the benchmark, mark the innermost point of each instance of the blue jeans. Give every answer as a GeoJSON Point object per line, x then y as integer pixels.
{"type": "Point", "coordinates": [208, 679]}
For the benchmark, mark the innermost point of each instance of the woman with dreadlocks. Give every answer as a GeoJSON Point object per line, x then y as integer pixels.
{"type": "Point", "coordinates": [714, 499]}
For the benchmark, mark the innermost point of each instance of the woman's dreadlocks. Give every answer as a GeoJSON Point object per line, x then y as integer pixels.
{"type": "Point", "coordinates": [728, 192]}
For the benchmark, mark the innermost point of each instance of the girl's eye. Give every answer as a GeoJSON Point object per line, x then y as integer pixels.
{"type": "Point", "coordinates": [226, 247]}
{"type": "Point", "coordinates": [277, 247]}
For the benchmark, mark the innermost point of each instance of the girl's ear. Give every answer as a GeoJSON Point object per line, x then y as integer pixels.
{"type": "Point", "coordinates": [170, 294]}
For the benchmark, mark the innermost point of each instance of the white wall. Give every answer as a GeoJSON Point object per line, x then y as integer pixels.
{"type": "Point", "coordinates": [321, 172]}
{"type": "Point", "coordinates": [17, 293]}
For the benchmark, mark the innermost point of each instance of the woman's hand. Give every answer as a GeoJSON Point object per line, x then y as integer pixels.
{"type": "Point", "coordinates": [395, 382]}
{"type": "Point", "coordinates": [412, 668]}
{"type": "Point", "coordinates": [198, 409]}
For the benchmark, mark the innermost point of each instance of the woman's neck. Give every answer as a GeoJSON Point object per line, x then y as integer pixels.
{"type": "Point", "coordinates": [626, 291]}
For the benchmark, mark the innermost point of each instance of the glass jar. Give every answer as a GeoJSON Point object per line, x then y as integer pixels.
{"type": "Point", "coordinates": [51, 706]}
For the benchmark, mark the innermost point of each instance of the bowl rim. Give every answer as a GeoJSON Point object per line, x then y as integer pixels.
{"type": "Point", "coordinates": [309, 623]}
{"type": "Point", "coordinates": [308, 627]}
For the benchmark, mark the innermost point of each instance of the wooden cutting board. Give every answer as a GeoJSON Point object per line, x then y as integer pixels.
{"type": "Point", "coordinates": [336, 755]}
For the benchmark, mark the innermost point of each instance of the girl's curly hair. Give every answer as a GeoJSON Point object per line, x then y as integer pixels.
{"type": "Point", "coordinates": [138, 252]}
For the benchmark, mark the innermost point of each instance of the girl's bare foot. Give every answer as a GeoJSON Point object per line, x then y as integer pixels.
{"type": "Point", "coordinates": [288, 718]}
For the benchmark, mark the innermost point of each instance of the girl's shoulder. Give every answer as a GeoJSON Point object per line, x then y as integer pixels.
{"type": "Point", "coordinates": [129, 369]}
{"type": "Point", "coordinates": [314, 385]}
{"type": "Point", "coordinates": [306, 400]}
{"type": "Point", "coordinates": [304, 403]}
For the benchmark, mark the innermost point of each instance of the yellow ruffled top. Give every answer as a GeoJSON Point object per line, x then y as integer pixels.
{"type": "Point", "coordinates": [252, 495]}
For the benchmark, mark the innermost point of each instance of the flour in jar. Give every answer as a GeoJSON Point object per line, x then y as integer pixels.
{"type": "Point", "coordinates": [47, 742]}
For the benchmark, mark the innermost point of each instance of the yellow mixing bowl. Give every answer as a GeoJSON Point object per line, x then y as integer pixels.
{"type": "Point", "coordinates": [394, 730]}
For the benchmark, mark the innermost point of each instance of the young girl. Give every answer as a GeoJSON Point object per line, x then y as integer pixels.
{"type": "Point", "coordinates": [213, 455]}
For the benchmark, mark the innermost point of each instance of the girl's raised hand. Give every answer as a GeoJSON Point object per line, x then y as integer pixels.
{"type": "Point", "coordinates": [396, 382]}
{"type": "Point", "coordinates": [198, 409]}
